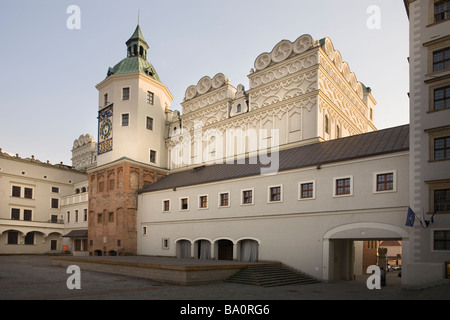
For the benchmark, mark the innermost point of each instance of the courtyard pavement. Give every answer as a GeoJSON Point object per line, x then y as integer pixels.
{"type": "Point", "coordinates": [28, 277]}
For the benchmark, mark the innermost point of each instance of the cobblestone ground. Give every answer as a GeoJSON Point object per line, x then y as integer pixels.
{"type": "Point", "coordinates": [34, 278]}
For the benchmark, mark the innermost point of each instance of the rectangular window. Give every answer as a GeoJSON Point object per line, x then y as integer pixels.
{"type": "Point", "coordinates": [55, 203]}
{"type": "Point", "coordinates": [28, 193]}
{"type": "Point", "coordinates": [125, 120]}
{"type": "Point", "coordinates": [111, 217]}
{"type": "Point", "coordinates": [85, 215]}
{"type": "Point", "coordinates": [105, 99]}
{"type": "Point", "coordinates": [442, 148]}
{"type": "Point", "coordinates": [15, 214]}
{"type": "Point", "coordinates": [27, 215]}
{"type": "Point", "coordinates": [149, 123]}
{"type": "Point", "coordinates": [55, 189]}
{"type": "Point", "coordinates": [99, 218]}
{"type": "Point", "coordinates": [385, 182]}
{"type": "Point", "coordinates": [343, 186]}
{"type": "Point", "coordinates": [68, 216]}
{"type": "Point", "coordinates": [150, 97]}
{"type": "Point", "coordinates": [224, 199]}
{"type": "Point", "coordinates": [166, 205]}
{"type": "Point", "coordinates": [152, 156]}
{"type": "Point", "coordinates": [53, 244]}
{"type": "Point", "coordinates": [307, 190]}
{"type": "Point", "coordinates": [441, 10]}
{"type": "Point", "coordinates": [184, 204]}
{"type": "Point", "coordinates": [441, 59]}
{"type": "Point", "coordinates": [144, 230]}
{"type": "Point", "coordinates": [275, 194]}
{"type": "Point", "coordinates": [441, 240]}
{"type": "Point", "coordinates": [76, 215]}
{"type": "Point", "coordinates": [126, 94]}
{"type": "Point", "coordinates": [247, 197]}
{"type": "Point", "coordinates": [203, 202]}
{"type": "Point", "coordinates": [165, 243]}
{"type": "Point", "coordinates": [441, 98]}
{"type": "Point", "coordinates": [441, 200]}
{"type": "Point", "coordinates": [16, 191]}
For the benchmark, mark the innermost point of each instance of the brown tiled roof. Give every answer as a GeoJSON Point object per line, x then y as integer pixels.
{"type": "Point", "coordinates": [379, 142]}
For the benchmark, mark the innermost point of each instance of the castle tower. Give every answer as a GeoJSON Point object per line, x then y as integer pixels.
{"type": "Point", "coordinates": [133, 109]}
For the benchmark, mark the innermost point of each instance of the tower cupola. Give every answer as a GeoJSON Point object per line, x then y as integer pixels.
{"type": "Point", "coordinates": [136, 45]}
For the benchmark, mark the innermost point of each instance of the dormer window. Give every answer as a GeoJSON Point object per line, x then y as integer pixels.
{"type": "Point", "coordinates": [238, 108]}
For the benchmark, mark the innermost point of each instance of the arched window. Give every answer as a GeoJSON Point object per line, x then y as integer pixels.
{"type": "Point", "coordinates": [327, 125]}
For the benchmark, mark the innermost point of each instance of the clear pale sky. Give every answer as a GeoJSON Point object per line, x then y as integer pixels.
{"type": "Point", "coordinates": [49, 72]}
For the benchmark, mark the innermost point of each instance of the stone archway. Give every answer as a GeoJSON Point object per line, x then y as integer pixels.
{"type": "Point", "coordinates": [225, 249]}
{"type": "Point", "coordinates": [183, 248]}
{"type": "Point", "coordinates": [248, 250]}
{"type": "Point", "coordinates": [340, 240]}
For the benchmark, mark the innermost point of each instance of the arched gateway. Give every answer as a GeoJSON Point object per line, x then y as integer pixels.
{"type": "Point", "coordinates": [338, 242]}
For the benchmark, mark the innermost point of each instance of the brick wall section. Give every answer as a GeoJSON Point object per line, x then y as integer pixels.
{"type": "Point", "coordinates": [112, 227]}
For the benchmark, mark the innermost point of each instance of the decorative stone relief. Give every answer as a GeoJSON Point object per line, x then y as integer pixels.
{"type": "Point", "coordinates": [343, 67]}
{"type": "Point", "coordinates": [283, 50]}
{"type": "Point", "coordinates": [283, 90]}
{"type": "Point", "coordinates": [206, 84]}
{"type": "Point", "coordinates": [283, 70]}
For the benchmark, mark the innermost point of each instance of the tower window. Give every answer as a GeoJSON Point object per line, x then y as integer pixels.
{"type": "Point", "coordinates": [125, 120]}
{"type": "Point", "coordinates": [126, 93]}
{"type": "Point", "coordinates": [152, 156]}
{"type": "Point", "coordinates": [149, 123]}
{"type": "Point", "coordinates": [150, 97]}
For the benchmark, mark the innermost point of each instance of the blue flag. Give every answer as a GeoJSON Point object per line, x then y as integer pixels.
{"type": "Point", "coordinates": [410, 218]}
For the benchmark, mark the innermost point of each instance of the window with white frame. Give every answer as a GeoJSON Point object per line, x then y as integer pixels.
{"type": "Point", "coordinates": [385, 181]}
{"type": "Point", "coordinates": [125, 120]}
{"type": "Point", "coordinates": [25, 192]}
{"type": "Point", "coordinates": [166, 205]}
{"type": "Point", "coordinates": [126, 93]}
{"type": "Point", "coordinates": [184, 204]}
{"type": "Point", "coordinates": [306, 190]}
{"type": "Point", "coordinates": [343, 186]}
{"type": "Point", "coordinates": [275, 194]}
{"type": "Point", "coordinates": [247, 196]}
{"type": "Point", "coordinates": [224, 199]}
{"type": "Point", "coordinates": [203, 201]}
{"type": "Point", "coordinates": [165, 243]}
{"type": "Point", "coordinates": [150, 97]}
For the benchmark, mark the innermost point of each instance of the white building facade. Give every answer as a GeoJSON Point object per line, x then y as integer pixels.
{"type": "Point", "coordinates": [31, 193]}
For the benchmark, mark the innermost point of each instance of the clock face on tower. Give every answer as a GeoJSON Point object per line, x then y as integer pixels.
{"type": "Point", "coordinates": [105, 139]}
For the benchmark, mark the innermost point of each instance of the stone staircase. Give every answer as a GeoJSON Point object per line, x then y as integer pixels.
{"type": "Point", "coordinates": [270, 275]}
